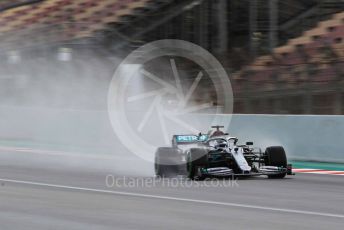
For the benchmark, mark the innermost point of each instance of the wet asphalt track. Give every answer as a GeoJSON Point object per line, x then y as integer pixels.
{"type": "Point", "coordinates": [47, 193]}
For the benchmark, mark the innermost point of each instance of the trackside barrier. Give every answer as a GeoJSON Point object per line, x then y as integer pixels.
{"type": "Point", "coordinates": [317, 138]}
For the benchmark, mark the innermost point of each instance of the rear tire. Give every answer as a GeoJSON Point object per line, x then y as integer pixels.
{"type": "Point", "coordinates": [275, 156]}
{"type": "Point", "coordinates": [166, 162]}
{"type": "Point", "coordinates": [197, 158]}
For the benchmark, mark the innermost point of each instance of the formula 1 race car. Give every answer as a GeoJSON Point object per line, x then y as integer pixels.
{"type": "Point", "coordinates": [219, 155]}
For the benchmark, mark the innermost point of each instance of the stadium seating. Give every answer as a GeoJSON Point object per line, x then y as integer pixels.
{"type": "Point", "coordinates": [9, 4]}
{"type": "Point", "coordinates": [64, 19]}
{"type": "Point", "coordinates": [313, 57]}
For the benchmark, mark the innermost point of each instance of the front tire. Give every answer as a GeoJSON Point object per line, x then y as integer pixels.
{"type": "Point", "coordinates": [197, 158]}
{"type": "Point", "coordinates": [276, 156]}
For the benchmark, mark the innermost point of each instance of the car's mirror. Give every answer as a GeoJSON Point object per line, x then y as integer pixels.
{"type": "Point", "coordinates": [249, 143]}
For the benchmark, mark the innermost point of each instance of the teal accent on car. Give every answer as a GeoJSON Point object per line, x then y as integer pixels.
{"type": "Point", "coordinates": [191, 138]}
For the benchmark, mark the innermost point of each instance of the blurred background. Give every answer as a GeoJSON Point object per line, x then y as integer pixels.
{"type": "Point", "coordinates": [283, 57]}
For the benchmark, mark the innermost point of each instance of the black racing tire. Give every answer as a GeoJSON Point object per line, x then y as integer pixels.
{"type": "Point", "coordinates": [167, 162]}
{"type": "Point", "coordinates": [276, 156]}
{"type": "Point", "coordinates": [197, 158]}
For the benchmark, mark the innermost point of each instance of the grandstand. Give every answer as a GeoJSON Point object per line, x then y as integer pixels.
{"type": "Point", "coordinates": [9, 4]}
{"type": "Point", "coordinates": [307, 68]}
{"type": "Point", "coordinates": [282, 55]}
{"type": "Point", "coordinates": [146, 20]}
{"type": "Point", "coordinates": [52, 21]}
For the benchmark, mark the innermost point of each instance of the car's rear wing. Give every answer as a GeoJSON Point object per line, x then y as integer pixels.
{"type": "Point", "coordinates": [189, 139]}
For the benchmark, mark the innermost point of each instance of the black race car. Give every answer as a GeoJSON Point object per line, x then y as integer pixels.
{"type": "Point", "coordinates": [219, 155]}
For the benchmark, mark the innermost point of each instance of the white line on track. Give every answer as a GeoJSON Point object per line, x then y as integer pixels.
{"type": "Point", "coordinates": [169, 198]}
